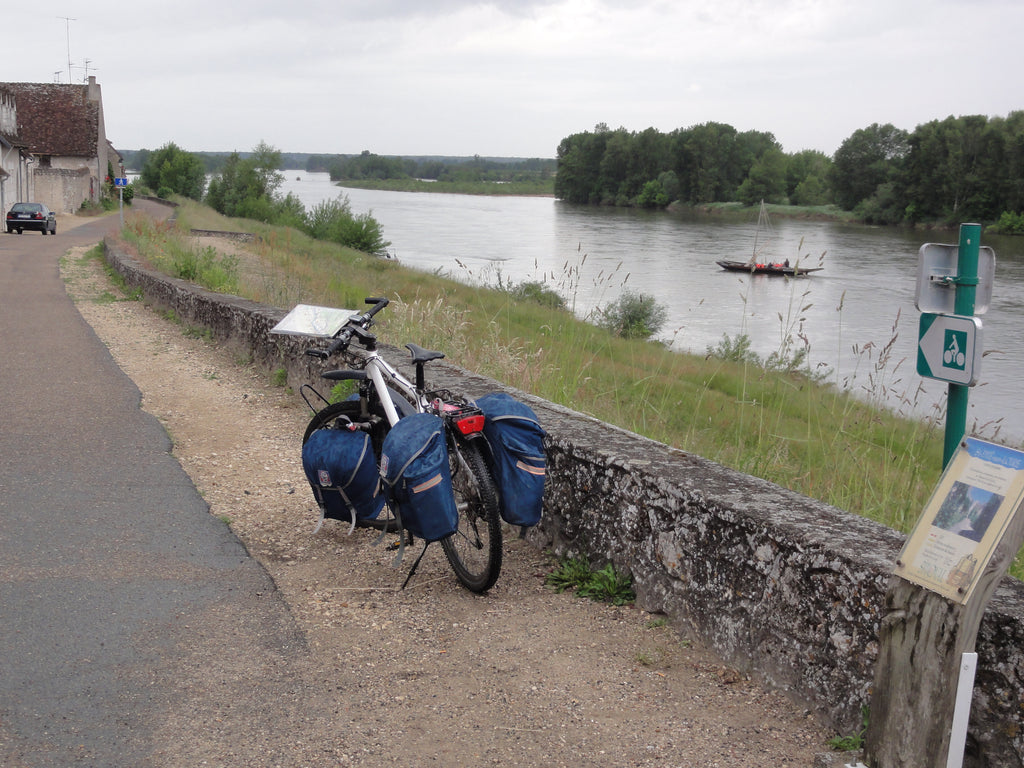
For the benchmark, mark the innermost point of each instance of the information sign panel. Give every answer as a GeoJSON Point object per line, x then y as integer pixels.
{"type": "Point", "coordinates": [971, 508]}
{"type": "Point", "coordinates": [309, 320]}
{"type": "Point", "coordinates": [120, 181]}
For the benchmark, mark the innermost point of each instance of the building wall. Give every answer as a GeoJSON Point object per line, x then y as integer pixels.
{"type": "Point", "coordinates": [63, 189]}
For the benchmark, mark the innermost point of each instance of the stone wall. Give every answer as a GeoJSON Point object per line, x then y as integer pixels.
{"type": "Point", "coordinates": [783, 587]}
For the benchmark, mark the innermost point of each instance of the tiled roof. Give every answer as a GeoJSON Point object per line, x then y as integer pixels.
{"type": "Point", "coordinates": [56, 119]}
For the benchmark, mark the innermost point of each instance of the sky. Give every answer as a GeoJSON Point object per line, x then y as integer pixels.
{"type": "Point", "coordinates": [512, 78]}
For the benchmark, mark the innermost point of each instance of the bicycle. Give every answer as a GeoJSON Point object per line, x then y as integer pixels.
{"type": "Point", "coordinates": [383, 397]}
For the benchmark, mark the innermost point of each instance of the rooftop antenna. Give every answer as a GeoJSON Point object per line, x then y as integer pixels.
{"type": "Point", "coordinates": [56, 76]}
{"type": "Point", "coordinates": [67, 30]}
{"type": "Point", "coordinates": [87, 68]}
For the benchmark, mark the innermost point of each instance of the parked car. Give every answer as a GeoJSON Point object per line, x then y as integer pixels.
{"type": "Point", "coordinates": [35, 216]}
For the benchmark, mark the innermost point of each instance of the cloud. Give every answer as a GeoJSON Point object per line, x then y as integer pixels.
{"type": "Point", "coordinates": [514, 78]}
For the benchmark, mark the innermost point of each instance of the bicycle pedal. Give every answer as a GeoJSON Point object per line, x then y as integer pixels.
{"type": "Point", "coordinates": [392, 546]}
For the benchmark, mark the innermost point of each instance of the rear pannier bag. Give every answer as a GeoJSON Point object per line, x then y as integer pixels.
{"type": "Point", "coordinates": [342, 470]}
{"type": "Point", "coordinates": [519, 463]}
{"type": "Point", "coordinates": [417, 477]}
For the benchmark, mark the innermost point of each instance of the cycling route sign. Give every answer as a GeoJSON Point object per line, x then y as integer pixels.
{"type": "Point", "coordinates": [949, 348]}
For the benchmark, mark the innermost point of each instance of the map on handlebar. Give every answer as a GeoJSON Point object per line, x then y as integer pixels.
{"type": "Point", "coordinates": [309, 320]}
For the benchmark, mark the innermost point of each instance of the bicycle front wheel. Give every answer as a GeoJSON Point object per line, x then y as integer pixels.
{"type": "Point", "coordinates": [474, 550]}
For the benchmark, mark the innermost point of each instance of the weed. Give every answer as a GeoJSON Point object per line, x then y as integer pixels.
{"type": "Point", "coordinates": [645, 658]}
{"type": "Point", "coordinates": [605, 585]}
{"type": "Point", "coordinates": [657, 623]}
{"type": "Point", "coordinates": [343, 390]}
{"type": "Point", "coordinates": [853, 741]}
{"type": "Point", "coordinates": [609, 586]}
{"type": "Point", "coordinates": [195, 332]}
{"type": "Point", "coordinates": [280, 378]}
{"type": "Point", "coordinates": [569, 574]}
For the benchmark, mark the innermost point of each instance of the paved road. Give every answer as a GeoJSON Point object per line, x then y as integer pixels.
{"type": "Point", "coordinates": [116, 585]}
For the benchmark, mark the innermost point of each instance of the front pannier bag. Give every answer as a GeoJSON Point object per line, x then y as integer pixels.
{"type": "Point", "coordinates": [417, 477]}
{"type": "Point", "coordinates": [519, 462]}
{"type": "Point", "coordinates": [342, 471]}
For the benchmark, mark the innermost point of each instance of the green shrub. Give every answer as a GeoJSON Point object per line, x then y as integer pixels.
{"type": "Point", "coordinates": [734, 350]}
{"type": "Point", "coordinates": [538, 293]}
{"type": "Point", "coordinates": [633, 316]}
{"type": "Point", "coordinates": [1009, 224]}
{"type": "Point", "coordinates": [333, 220]}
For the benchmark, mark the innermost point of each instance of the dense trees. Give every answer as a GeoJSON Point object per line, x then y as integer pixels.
{"type": "Point", "coordinates": [957, 169]}
{"type": "Point", "coordinates": [703, 164]}
{"type": "Point", "coordinates": [868, 159]}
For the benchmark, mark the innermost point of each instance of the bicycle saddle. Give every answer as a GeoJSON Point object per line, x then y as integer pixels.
{"type": "Point", "coordinates": [421, 355]}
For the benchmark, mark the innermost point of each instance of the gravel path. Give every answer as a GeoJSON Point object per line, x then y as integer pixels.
{"type": "Point", "coordinates": [432, 675]}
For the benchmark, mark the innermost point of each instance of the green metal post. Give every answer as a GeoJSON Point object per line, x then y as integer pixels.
{"type": "Point", "coordinates": [963, 304]}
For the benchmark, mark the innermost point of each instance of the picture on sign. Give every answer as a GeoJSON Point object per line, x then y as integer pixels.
{"type": "Point", "coordinates": [963, 523]}
{"type": "Point", "coordinates": [953, 357]}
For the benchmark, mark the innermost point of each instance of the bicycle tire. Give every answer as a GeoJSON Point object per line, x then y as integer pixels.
{"type": "Point", "coordinates": [474, 551]}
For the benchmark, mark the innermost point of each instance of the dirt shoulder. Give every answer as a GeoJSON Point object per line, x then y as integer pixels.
{"type": "Point", "coordinates": [432, 674]}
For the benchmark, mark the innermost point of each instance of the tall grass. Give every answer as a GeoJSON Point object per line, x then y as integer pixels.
{"type": "Point", "coordinates": [779, 421]}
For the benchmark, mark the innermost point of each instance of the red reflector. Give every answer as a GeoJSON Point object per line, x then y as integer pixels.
{"type": "Point", "coordinates": [470, 425]}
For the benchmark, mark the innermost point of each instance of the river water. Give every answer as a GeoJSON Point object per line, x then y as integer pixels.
{"type": "Point", "coordinates": [848, 312]}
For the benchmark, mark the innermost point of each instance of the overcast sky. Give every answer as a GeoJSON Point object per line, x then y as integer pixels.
{"type": "Point", "coordinates": [514, 77]}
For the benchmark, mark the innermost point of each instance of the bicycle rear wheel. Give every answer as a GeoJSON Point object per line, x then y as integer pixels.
{"type": "Point", "coordinates": [474, 550]}
{"type": "Point", "coordinates": [339, 415]}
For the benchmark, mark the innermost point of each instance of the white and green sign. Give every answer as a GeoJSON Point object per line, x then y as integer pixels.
{"type": "Point", "coordinates": [949, 348]}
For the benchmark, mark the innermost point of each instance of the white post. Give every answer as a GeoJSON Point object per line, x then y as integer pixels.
{"type": "Point", "coordinates": [962, 710]}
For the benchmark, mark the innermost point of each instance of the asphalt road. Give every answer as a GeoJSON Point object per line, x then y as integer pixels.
{"type": "Point", "coordinates": [116, 584]}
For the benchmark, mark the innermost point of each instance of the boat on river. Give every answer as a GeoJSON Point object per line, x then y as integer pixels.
{"type": "Point", "coordinates": [767, 269]}
{"type": "Point", "coordinates": [757, 264]}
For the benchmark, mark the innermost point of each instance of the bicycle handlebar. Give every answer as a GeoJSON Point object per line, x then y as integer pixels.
{"type": "Point", "coordinates": [357, 326]}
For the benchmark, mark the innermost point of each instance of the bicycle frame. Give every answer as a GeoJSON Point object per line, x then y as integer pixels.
{"type": "Point", "coordinates": [385, 378]}
{"type": "Point", "coordinates": [382, 374]}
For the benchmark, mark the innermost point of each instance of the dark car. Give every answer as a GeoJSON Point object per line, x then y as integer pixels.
{"type": "Point", "coordinates": [35, 216]}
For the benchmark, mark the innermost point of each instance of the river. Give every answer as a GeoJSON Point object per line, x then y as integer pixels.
{"type": "Point", "coordinates": [848, 313]}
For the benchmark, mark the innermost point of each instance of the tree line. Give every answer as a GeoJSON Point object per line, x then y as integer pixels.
{"type": "Point", "coordinates": [368, 165]}
{"type": "Point", "coordinates": [951, 170]}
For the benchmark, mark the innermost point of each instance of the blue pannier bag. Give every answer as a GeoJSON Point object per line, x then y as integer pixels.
{"type": "Point", "coordinates": [342, 470]}
{"type": "Point", "coordinates": [519, 462]}
{"type": "Point", "coordinates": [417, 477]}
